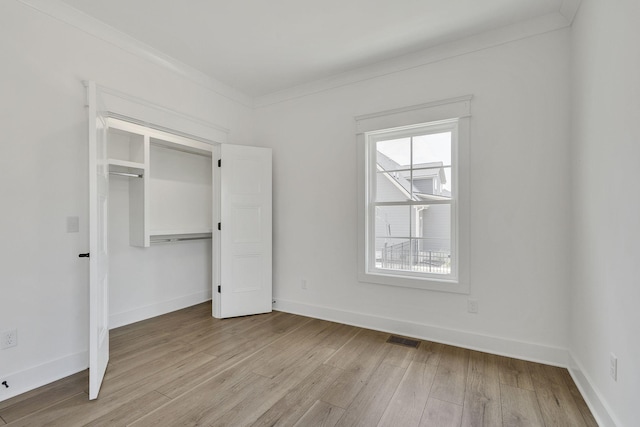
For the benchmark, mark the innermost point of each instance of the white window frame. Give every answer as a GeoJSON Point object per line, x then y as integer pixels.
{"type": "Point", "coordinates": [451, 114]}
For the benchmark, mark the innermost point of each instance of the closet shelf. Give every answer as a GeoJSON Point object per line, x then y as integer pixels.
{"type": "Point", "coordinates": [126, 164]}
{"type": "Point", "coordinates": [164, 237]}
{"type": "Point", "coordinates": [180, 231]}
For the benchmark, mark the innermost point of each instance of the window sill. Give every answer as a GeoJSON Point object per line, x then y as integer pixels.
{"type": "Point", "coordinates": [429, 284]}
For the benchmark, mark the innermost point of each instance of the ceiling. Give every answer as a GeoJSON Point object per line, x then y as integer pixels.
{"type": "Point", "coordinates": [264, 46]}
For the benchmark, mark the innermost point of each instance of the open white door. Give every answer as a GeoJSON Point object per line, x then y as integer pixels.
{"type": "Point", "coordinates": [99, 260]}
{"type": "Point", "coordinates": [245, 236]}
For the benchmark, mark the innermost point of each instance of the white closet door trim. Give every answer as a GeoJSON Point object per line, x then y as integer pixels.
{"type": "Point", "coordinates": [136, 110]}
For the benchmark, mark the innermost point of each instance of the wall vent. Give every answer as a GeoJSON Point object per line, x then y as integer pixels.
{"type": "Point", "coordinates": [393, 339]}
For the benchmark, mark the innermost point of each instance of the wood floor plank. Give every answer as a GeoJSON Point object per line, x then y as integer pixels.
{"type": "Point", "coordinates": [231, 352]}
{"type": "Point", "coordinates": [400, 355]}
{"type": "Point", "coordinates": [589, 420]}
{"type": "Point", "coordinates": [61, 414]}
{"type": "Point", "coordinates": [345, 388]}
{"type": "Point", "coordinates": [225, 361]}
{"type": "Point", "coordinates": [288, 350]}
{"type": "Point", "coordinates": [429, 352]}
{"type": "Point", "coordinates": [199, 330]}
{"type": "Point", "coordinates": [340, 335]}
{"type": "Point", "coordinates": [556, 402]}
{"type": "Point", "coordinates": [147, 365]}
{"type": "Point", "coordinates": [438, 413]}
{"type": "Point", "coordinates": [520, 407]}
{"type": "Point", "coordinates": [482, 395]}
{"type": "Point", "coordinates": [193, 377]}
{"type": "Point", "coordinates": [349, 357]}
{"type": "Point", "coordinates": [359, 357]}
{"type": "Point", "coordinates": [321, 414]}
{"type": "Point", "coordinates": [245, 408]}
{"type": "Point", "coordinates": [128, 356]}
{"type": "Point", "coordinates": [157, 376]}
{"type": "Point", "coordinates": [515, 373]}
{"type": "Point", "coordinates": [408, 402]}
{"type": "Point", "coordinates": [130, 411]}
{"type": "Point", "coordinates": [27, 403]}
{"type": "Point", "coordinates": [256, 338]}
{"type": "Point", "coordinates": [299, 399]}
{"type": "Point", "coordinates": [239, 399]}
{"type": "Point", "coordinates": [205, 403]}
{"type": "Point", "coordinates": [178, 317]}
{"type": "Point", "coordinates": [114, 397]}
{"type": "Point", "coordinates": [451, 377]}
{"type": "Point", "coordinates": [221, 330]}
{"type": "Point", "coordinates": [160, 326]}
{"type": "Point", "coordinates": [369, 405]}
{"type": "Point", "coordinates": [247, 411]}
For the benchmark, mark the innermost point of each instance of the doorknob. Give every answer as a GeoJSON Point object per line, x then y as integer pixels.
{"type": "Point", "coordinates": [84, 255]}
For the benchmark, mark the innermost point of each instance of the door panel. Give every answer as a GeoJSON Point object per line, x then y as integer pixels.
{"type": "Point", "coordinates": [245, 238]}
{"type": "Point", "coordinates": [98, 241]}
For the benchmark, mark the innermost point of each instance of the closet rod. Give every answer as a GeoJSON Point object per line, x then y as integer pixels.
{"type": "Point", "coordinates": [133, 175]}
{"type": "Point", "coordinates": [179, 239]}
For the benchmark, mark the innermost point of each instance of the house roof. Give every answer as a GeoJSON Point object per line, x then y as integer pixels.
{"type": "Point", "coordinates": [399, 176]}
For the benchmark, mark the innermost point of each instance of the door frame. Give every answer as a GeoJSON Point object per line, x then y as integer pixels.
{"type": "Point", "coordinates": [125, 107]}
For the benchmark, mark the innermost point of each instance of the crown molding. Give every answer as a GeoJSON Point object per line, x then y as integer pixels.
{"type": "Point", "coordinates": [569, 8]}
{"type": "Point", "coordinates": [94, 27]}
{"type": "Point", "coordinates": [477, 42]}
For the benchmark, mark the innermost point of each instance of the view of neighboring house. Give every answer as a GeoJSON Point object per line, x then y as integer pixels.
{"type": "Point", "coordinates": [416, 238]}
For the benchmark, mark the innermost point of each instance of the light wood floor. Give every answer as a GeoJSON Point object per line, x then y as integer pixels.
{"type": "Point", "coordinates": [186, 368]}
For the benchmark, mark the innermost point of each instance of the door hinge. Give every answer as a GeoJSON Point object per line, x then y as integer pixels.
{"type": "Point", "coordinates": [219, 226]}
{"type": "Point", "coordinates": [219, 163]}
{"type": "Point", "coordinates": [219, 288]}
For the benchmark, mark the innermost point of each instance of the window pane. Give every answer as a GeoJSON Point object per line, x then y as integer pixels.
{"type": "Point", "coordinates": [393, 221]}
{"type": "Point", "coordinates": [393, 154]}
{"type": "Point", "coordinates": [393, 187]}
{"type": "Point", "coordinates": [433, 222]}
{"type": "Point", "coordinates": [432, 256]}
{"type": "Point", "coordinates": [393, 254]}
{"type": "Point", "coordinates": [432, 184]}
{"type": "Point", "coordinates": [432, 149]}
{"type": "Point", "coordinates": [432, 243]}
{"type": "Point", "coordinates": [416, 255]}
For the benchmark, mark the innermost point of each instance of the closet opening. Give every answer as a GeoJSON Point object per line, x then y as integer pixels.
{"type": "Point", "coordinates": [160, 222]}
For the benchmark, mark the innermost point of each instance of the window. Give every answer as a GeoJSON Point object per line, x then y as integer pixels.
{"type": "Point", "coordinates": [412, 200]}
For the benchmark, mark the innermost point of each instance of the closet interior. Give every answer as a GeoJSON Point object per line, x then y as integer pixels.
{"type": "Point", "coordinates": [160, 221]}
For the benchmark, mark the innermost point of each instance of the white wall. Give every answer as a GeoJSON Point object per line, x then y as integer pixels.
{"type": "Point", "coordinates": [606, 208]}
{"type": "Point", "coordinates": [519, 200]}
{"type": "Point", "coordinates": [43, 162]}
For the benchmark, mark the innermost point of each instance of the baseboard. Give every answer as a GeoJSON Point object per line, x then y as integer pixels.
{"type": "Point", "coordinates": [148, 311]}
{"type": "Point", "coordinates": [599, 407]}
{"type": "Point", "coordinates": [32, 378]}
{"type": "Point", "coordinates": [502, 346]}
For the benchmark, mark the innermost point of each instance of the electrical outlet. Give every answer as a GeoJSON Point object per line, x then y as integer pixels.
{"type": "Point", "coordinates": [8, 338]}
{"type": "Point", "coordinates": [472, 306]}
{"type": "Point", "coordinates": [303, 283]}
{"type": "Point", "coordinates": [613, 366]}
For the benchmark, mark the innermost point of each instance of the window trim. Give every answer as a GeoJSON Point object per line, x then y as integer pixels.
{"type": "Point", "coordinates": [406, 119]}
